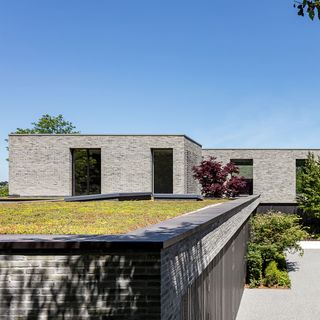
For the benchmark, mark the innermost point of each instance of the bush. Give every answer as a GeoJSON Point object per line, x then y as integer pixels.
{"type": "Point", "coordinates": [271, 235]}
{"type": "Point", "coordinates": [276, 277]}
{"type": "Point", "coordinates": [4, 189]}
{"type": "Point", "coordinates": [275, 232]}
{"type": "Point", "coordinates": [254, 265]}
{"type": "Point", "coordinates": [217, 180]}
{"type": "Point", "coordinates": [308, 181]}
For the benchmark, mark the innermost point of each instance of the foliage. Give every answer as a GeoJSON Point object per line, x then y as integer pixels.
{"type": "Point", "coordinates": [272, 234]}
{"type": "Point", "coordinates": [276, 232]}
{"type": "Point", "coordinates": [311, 7]}
{"type": "Point", "coordinates": [3, 183]}
{"type": "Point", "coordinates": [97, 217]}
{"type": "Point", "coordinates": [309, 184]}
{"type": "Point", "coordinates": [4, 189]}
{"type": "Point", "coordinates": [254, 263]}
{"type": "Point", "coordinates": [276, 277]}
{"type": "Point", "coordinates": [48, 124]}
{"type": "Point", "coordinates": [217, 180]}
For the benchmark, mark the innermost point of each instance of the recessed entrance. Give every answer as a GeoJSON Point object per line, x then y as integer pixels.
{"type": "Point", "coordinates": [162, 170]}
{"type": "Point", "coordinates": [86, 171]}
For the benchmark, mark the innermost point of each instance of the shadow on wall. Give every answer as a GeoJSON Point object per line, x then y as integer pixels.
{"type": "Point", "coordinates": [86, 286]}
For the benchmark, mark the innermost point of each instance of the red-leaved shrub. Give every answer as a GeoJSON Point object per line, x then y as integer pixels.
{"type": "Point", "coordinates": [217, 180]}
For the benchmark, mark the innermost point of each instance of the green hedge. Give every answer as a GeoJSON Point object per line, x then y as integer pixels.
{"type": "Point", "coordinates": [271, 234]}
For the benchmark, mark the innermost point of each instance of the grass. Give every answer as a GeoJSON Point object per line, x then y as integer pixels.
{"type": "Point", "coordinates": [99, 217]}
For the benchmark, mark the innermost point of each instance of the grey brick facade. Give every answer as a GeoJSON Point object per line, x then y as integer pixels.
{"type": "Point", "coordinates": [274, 170]}
{"type": "Point", "coordinates": [41, 165]}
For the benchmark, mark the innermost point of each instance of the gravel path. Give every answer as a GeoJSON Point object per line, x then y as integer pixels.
{"type": "Point", "coordinates": [301, 302]}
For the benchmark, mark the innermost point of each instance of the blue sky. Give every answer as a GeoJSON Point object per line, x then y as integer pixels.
{"type": "Point", "coordinates": [227, 73]}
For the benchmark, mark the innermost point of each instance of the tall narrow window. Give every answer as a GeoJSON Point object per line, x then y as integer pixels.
{"type": "Point", "coordinates": [300, 164]}
{"type": "Point", "coordinates": [162, 170]}
{"type": "Point", "coordinates": [86, 177]}
{"type": "Point", "coordinates": [246, 170]}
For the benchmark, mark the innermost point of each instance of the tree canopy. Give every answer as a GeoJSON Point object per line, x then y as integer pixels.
{"type": "Point", "coordinates": [309, 196]}
{"type": "Point", "coordinates": [50, 125]}
{"type": "Point", "coordinates": [311, 8]}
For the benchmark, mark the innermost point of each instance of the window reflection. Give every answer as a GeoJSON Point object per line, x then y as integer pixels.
{"type": "Point", "coordinates": [163, 171]}
{"type": "Point", "coordinates": [86, 171]}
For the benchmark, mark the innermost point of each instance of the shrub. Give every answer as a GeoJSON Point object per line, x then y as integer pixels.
{"type": "Point", "coordinates": [254, 265]}
{"type": "Point", "coordinates": [275, 232]}
{"type": "Point", "coordinates": [274, 276]}
{"type": "Point", "coordinates": [217, 180]}
{"type": "Point", "coordinates": [308, 181]}
{"type": "Point", "coordinates": [4, 189]}
{"type": "Point", "coordinates": [272, 234]}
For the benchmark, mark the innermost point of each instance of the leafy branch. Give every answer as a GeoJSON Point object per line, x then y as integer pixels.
{"type": "Point", "coordinates": [308, 7]}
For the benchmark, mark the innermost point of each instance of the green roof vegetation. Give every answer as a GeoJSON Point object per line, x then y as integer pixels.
{"type": "Point", "coordinates": [99, 217]}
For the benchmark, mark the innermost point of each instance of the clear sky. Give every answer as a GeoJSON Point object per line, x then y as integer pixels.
{"type": "Point", "coordinates": [227, 73]}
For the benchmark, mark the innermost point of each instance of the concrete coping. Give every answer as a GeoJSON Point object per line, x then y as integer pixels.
{"type": "Point", "coordinates": [158, 236]}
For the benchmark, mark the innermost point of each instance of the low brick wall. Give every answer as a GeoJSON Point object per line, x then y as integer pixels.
{"type": "Point", "coordinates": [147, 274]}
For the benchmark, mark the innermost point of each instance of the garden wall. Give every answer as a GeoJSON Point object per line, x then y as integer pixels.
{"type": "Point", "coordinates": [190, 267]}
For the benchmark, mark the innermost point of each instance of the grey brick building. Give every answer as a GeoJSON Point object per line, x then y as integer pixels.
{"type": "Point", "coordinates": [52, 165]}
{"type": "Point", "coordinates": [64, 165]}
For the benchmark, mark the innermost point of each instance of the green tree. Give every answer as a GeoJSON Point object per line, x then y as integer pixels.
{"type": "Point", "coordinates": [50, 125]}
{"type": "Point", "coordinates": [312, 8]}
{"type": "Point", "coordinates": [309, 196]}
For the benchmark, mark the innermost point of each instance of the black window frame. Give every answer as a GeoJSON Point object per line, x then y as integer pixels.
{"type": "Point", "coordinates": [249, 181]}
{"type": "Point", "coordinates": [154, 189]}
{"type": "Point", "coordinates": [89, 174]}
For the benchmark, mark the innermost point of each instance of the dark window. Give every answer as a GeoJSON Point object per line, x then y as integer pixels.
{"type": "Point", "coordinates": [300, 164]}
{"type": "Point", "coordinates": [246, 170]}
{"type": "Point", "coordinates": [162, 170]}
{"type": "Point", "coordinates": [86, 165]}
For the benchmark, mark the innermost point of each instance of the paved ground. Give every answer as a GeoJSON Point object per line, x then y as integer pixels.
{"type": "Point", "coordinates": [301, 302]}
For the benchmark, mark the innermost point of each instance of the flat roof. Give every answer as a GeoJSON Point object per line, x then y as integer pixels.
{"type": "Point", "coordinates": [107, 135]}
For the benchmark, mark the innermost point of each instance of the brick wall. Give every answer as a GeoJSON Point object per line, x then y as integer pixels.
{"type": "Point", "coordinates": [41, 165]}
{"type": "Point", "coordinates": [274, 171]}
{"type": "Point", "coordinates": [184, 262]}
{"type": "Point", "coordinates": [42, 285]}
{"type": "Point", "coordinates": [193, 156]}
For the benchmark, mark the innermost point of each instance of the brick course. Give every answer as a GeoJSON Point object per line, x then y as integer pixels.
{"type": "Point", "coordinates": [123, 285]}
